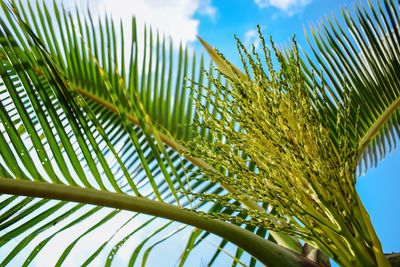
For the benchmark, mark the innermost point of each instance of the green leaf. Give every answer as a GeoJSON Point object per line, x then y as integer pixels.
{"type": "Point", "coordinates": [73, 113]}
{"type": "Point", "coordinates": [364, 60]}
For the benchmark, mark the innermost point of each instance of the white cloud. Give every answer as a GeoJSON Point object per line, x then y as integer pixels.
{"type": "Point", "coordinates": [206, 9]}
{"type": "Point", "coordinates": [290, 7]}
{"type": "Point", "coordinates": [173, 18]}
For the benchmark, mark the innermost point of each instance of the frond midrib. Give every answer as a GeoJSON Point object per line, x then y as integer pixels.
{"type": "Point", "coordinates": [378, 124]}
{"type": "Point", "coordinates": [266, 251]}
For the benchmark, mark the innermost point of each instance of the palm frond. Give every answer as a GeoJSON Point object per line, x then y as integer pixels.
{"type": "Point", "coordinates": [361, 62]}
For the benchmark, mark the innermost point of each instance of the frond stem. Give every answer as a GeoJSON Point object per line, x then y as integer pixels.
{"type": "Point", "coordinates": [266, 251]}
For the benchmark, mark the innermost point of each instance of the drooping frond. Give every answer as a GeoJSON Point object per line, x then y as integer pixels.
{"type": "Point", "coordinates": [78, 110]}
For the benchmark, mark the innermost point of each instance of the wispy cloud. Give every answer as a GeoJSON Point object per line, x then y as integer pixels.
{"type": "Point", "coordinates": [290, 7]}
{"type": "Point", "coordinates": [250, 38]}
{"type": "Point", "coordinates": [207, 9]}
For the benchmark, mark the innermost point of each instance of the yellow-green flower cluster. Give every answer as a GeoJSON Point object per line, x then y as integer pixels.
{"type": "Point", "coordinates": [272, 144]}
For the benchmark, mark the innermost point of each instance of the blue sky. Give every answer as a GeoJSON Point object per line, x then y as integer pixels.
{"type": "Point", "coordinates": [242, 16]}
{"type": "Point", "coordinates": [217, 21]}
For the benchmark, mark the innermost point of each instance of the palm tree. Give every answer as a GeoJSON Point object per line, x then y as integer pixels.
{"type": "Point", "coordinates": [88, 131]}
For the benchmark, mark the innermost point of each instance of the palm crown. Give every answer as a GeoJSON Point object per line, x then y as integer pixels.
{"type": "Point", "coordinates": [82, 121]}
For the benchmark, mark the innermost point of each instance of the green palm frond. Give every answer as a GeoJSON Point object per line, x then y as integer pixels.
{"type": "Point", "coordinates": [362, 62]}
{"type": "Point", "coordinates": [47, 121]}
{"type": "Point", "coordinates": [76, 113]}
